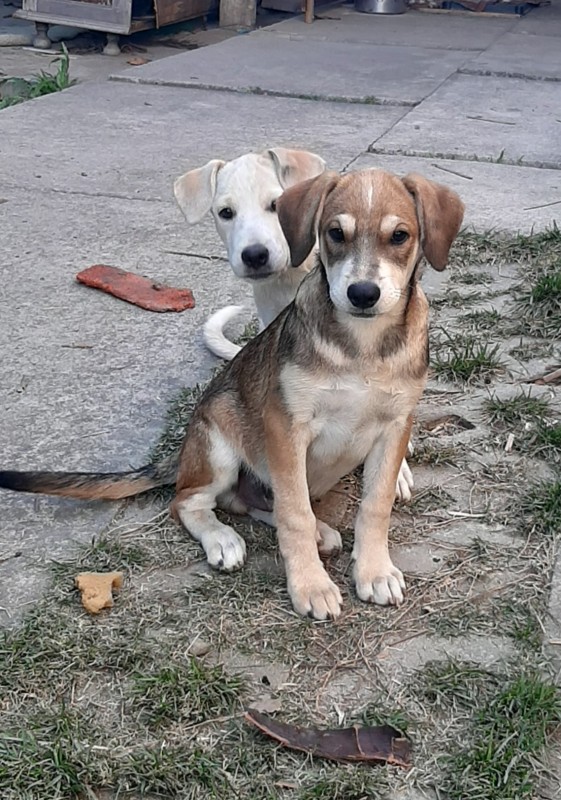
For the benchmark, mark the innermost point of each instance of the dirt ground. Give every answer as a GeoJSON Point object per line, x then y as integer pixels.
{"type": "Point", "coordinates": [146, 700]}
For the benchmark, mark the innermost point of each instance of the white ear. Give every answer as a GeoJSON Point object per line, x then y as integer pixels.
{"type": "Point", "coordinates": [194, 191]}
{"type": "Point", "coordinates": [295, 166]}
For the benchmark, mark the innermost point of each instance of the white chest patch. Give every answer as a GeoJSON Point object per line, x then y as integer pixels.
{"type": "Point", "coordinates": [345, 412]}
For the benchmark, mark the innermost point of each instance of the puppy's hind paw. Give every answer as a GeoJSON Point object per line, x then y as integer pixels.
{"type": "Point", "coordinates": [329, 540]}
{"type": "Point", "coordinates": [405, 483]}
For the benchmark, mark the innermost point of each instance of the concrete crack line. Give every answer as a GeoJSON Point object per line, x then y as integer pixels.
{"type": "Point", "coordinates": [259, 92]}
{"type": "Point", "coordinates": [74, 192]}
{"type": "Point", "coordinates": [392, 126]}
{"type": "Point", "coordinates": [491, 73]}
{"type": "Point", "coordinates": [396, 151]}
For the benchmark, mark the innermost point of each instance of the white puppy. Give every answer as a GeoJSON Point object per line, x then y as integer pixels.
{"type": "Point", "coordinates": [241, 195]}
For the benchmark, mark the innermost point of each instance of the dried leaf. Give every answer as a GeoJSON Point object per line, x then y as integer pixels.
{"type": "Point", "coordinates": [381, 744]}
{"type": "Point", "coordinates": [552, 376]}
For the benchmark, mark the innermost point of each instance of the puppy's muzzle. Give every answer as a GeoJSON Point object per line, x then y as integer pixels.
{"type": "Point", "coordinates": [364, 294]}
{"type": "Point", "coordinates": [255, 257]}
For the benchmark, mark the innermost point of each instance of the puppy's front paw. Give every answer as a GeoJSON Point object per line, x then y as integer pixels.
{"type": "Point", "coordinates": [315, 594]}
{"type": "Point", "coordinates": [329, 540]}
{"type": "Point", "coordinates": [224, 548]}
{"type": "Point", "coordinates": [384, 585]}
{"type": "Point", "coordinates": [405, 483]}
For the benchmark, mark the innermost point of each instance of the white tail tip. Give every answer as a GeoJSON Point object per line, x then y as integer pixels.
{"type": "Point", "coordinates": [213, 332]}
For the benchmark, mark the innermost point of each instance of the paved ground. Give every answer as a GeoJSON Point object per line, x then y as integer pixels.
{"type": "Point", "coordinates": [87, 176]}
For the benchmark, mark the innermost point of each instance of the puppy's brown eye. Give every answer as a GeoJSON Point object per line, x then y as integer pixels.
{"type": "Point", "coordinates": [399, 237]}
{"type": "Point", "coordinates": [226, 213]}
{"type": "Point", "coordinates": [273, 206]}
{"type": "Point", "coordinates": [336, 235]}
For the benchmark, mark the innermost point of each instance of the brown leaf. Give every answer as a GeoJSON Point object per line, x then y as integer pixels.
{"type": "Point", "coordinates": [372, 744]}
{"type": "Point", "coordinates": [552, 376]}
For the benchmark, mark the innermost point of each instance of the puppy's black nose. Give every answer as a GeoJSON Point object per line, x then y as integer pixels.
{"type": "Point", "coordinates": [363, 294]}
{"type": "Point", "coordinates": [255, 256]}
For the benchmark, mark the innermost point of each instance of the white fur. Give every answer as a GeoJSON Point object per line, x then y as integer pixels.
{"type": "Point", "coordinates": [248, 185]}
{"type": "Point", "coordinates": [224, 548]}
{"type": "Point", "coordinates": [213, 332]}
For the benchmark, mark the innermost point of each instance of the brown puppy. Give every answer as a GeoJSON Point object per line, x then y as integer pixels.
{"type": "Point", "coordinates": [332, 383]}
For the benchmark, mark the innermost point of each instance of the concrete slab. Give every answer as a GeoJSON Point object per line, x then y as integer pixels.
{"type": "Point", "coordinates": [86, 377]}
{"type": "Point", "coordinates": [504, 120]}
{"type": "Point", "coordinates": [310, 69]}
{"type": "Point", "coordinates": [35, 533]}
{"type": "Point", "coordinates": [27, 62]}
{"type": "Point", "coordinates": [518, 55]}
{"type": "Point", "coordinates": [133, 141]}
{"type": "Point", "coordinates": [442, 32]}
{"type": "Point", "coordinates": [543, 21]}
{"type": "Point", "coordinates": [497, 196]}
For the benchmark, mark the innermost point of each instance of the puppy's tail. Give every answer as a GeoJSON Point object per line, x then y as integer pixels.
{"type": "Point", "coordinates": [213, 333]}
{"type": "Point", "coordinates": [94, 485]}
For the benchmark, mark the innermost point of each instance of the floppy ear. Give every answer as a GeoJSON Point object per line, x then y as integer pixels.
{"type": "Point", "coordinates": [299, 210]}
{"type": "Point", "coordinates": [293, 166]}
{"type": "Point", "coordinates": [440, 212]}
{"type": "Point", "coordinates": [194, 191]}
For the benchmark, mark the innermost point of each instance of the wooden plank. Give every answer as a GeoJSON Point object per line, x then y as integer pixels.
{"type": "Point", "coordinates": [170, 11]}
{"type": "Point", "coordinates": [113, 18]}
{"type": "Point", "coordinates": [238, 13]}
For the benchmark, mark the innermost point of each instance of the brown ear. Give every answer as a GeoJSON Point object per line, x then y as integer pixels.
{"type": "Point", "coordinates": [299, 210]}
{"type": "Point", "coordinates": [293, 166]}
{"type": "Point", "coordinates": [194, 191]}
{"type": "Point", "coordinates": [440, 212]}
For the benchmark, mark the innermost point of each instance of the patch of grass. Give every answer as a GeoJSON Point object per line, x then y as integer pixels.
{"type": "Point", "coordinates": [527, 350]}
{"type": "Point", "coordinates": [379, 713]}
{"type": "Point", "coordinates": [518, 409]}
{"type": "Point", "coordinates": [170, 771]}
{"type": "Point", "coordinates": [454, 684]}
{"type": "Point", "coordinates": [427, 500]}
{"type": "Point", "coordinates": [344, 785]}
{"type": "Point", "coordinates": [41, 84]}
{"type": "Point", "coordinates": [548, 437]}
{"type": "Point", "coordinates": [177, 418]}
{"type": "Point", "coordinates": [509, 731]}
{"type": "Point", "coordinates": [249, 332]}
{"type": "Point", "coordinates": [435, 455]}
{"type": "Point", "coordinates": [537, 307]}
{"type": "Point", "coordinates": [106, 553]}
{"type": "Point", "coordinates": [472, 278]}
{"type": "Point", "coordinates": [490, 248]}
{"type": "Point", "coordinates": [455, 299]}
{"type": "Point", "coordinates": [484, 320]}
{"type": "Point", "coordinates": [466, 359]}
{"type": "Point", "coordinates": [51, 755]}
{"type": "Point", "coordinates": [187, 693]}
{"type": "Point", "coordinates": [539, 509]}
